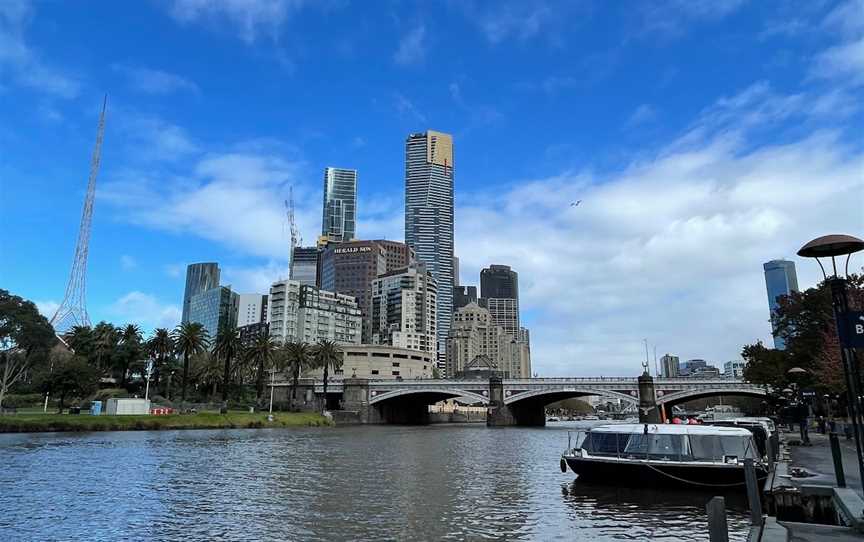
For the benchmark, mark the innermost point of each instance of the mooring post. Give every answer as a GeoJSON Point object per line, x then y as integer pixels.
{"type": "Point", "coordinates": [753, 493]}
{"type": "Point", "coordinates": [838, 459]}
{"type": "Point", "coordinates": [718, 531]}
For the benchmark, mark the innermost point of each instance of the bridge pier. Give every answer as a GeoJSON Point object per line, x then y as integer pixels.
{"type": "Point", "coordinates": [648, 411]}
{"type": "Point", "coordinates": [499, 414]}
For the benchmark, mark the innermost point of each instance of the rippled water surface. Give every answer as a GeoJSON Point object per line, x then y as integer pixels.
{"type": "Point", "coordinates": [442, 482]}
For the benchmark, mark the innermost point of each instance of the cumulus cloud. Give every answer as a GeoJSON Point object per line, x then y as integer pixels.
{"type": "Point", "coordinates": [152, 81]}
{"type": "Point", "coordinates": [145, 310]}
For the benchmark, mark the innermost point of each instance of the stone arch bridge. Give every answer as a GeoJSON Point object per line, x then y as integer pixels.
{"type": "Point", "coordinates": [513, 401]}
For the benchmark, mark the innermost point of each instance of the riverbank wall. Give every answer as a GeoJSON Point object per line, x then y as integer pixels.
{"type": "Point", "coordinates": [37, 423]}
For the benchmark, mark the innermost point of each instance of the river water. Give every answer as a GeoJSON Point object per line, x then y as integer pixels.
{"type": "Point", "coordinates": [440, 482]}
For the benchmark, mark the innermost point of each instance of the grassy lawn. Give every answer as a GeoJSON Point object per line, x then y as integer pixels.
{"type": "Point", "coordinates": [25, 423]}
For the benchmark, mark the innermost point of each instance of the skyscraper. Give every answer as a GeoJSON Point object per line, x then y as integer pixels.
{"type": "Point", "coordinates": [669, 366]}
{"type": "Point", "coordinates": [499, 281]}
{"type": "Point", "coordinates": [304, 265]}
{"type": "Point", "coordinates": [780, 280]}
{"type": "Point", "coordinates": [215, 309]}
{"type": "Point", "coordinates": [251, 309]}
{"type": "Point", "coordinates": [429, 216]}
{"type": "Point", "coordinates": [403, 309]}
{"type": "Point", "coordinates": [339, 221]}
{"type": "Point", "coordinates": [200, 277]}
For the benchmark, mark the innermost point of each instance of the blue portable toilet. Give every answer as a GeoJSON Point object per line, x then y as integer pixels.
{"type": "Point", "coordinates": [96, 408]}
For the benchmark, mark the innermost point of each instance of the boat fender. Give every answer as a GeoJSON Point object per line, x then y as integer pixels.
{"type": "Point", "coordinates": [563, 465]}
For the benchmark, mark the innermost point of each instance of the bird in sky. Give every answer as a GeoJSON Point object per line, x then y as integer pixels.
{"type": "Point", "coordinates": [576, 203]}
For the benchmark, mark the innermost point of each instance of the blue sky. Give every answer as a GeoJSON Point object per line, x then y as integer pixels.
{"type": "Point", "coordinates": [704, 138]}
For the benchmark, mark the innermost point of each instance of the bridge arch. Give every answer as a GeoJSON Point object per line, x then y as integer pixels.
{"type": "Point", "coordinates": [689, 395]}
{"type": "Point", "coordinates": [566, 393]}
{"type": "Point", "coordinates": [442, 393]}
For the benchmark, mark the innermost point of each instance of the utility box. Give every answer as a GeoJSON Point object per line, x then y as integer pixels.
{"type": "Point", "coordinates": [127, 407]}
{"type": "Point", "coordinates": [96, 408]}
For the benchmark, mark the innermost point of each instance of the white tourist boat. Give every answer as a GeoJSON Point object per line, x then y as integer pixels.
{"type": "Point", "coordinates": [663, 454]}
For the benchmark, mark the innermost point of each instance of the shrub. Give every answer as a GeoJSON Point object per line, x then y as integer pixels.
{"type": "Point", "coordinates": [23, 400]}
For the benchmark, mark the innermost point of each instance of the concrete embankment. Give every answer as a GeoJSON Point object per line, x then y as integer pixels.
{"type": "Point", "coordinates": [33, 423]}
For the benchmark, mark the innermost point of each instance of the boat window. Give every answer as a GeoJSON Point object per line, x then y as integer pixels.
{"type": "Point", "coordinates": [656, 446]}
{"type": "Point", "coordinates": [604, 443]}
{"type": "Point", "coordinates": [717, 447]}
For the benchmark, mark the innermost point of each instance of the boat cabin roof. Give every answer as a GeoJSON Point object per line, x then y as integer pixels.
{"type": "Point", "coordinates": [672, 429]}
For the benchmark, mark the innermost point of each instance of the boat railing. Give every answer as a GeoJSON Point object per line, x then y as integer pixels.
{"type": "Point", "coordinates": [643, 447]}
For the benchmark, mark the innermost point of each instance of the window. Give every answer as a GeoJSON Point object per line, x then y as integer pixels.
{"type": "Point", "coordinates": [395, 373]}
{"type": "Point", "coordinates": [374, 371]}
{"type": "Point", "coordinates": [395, 364]}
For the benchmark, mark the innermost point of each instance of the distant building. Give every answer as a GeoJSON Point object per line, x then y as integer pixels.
{"type": "Point", "coordinates": [669, 366]}
{"type": "Point", "coordinates": [505, 313]}
{"type": "Point", "coordinates": [708, 371]}
{"type": "Point", "coordinates": [251, 309]}
{"type": "Point", "coordinates": [733, 369]}
{"type": "Point", "coordinates": [429, 217]}
{"type": "Point", "coordinates": [499, 281]}
{"type": "Point", "coordinates": [200, 277]}
{"type": "Point", "coordinates": [304, 265]}
{"type": "Point", "coordinates": [524, 335]}
{"type": "Point", "coordinates": [473, 335]}
{"type": "Point", "coordinates": [299, 312]}
{"type": "Point", "coordinates": [404, 305]}
{"type": "Point", "coordinates": [214, 309]}
{"type": "Point", "coordinates": [349, 268]}
{"type": "Point", "coordinates": [339, 222]}
{"type": "Point", "coordinates": [250, 333]}
{"type": "Point", "coordinates": [780, 280]}
{"type": "Point", "coordinates": [462, 295]}
{"type": "Point", "coordinates": [382, 362]}
{"type": "Point", "coordinates": [691, 365]}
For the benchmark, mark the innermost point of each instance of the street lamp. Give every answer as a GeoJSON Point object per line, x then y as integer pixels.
{"type": "Point", "coordinates": [831, 246]}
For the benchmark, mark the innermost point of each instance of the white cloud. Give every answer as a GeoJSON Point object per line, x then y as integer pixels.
{"type": "Point", "coordinates": [152, 138]}
{"type": "Point", "coordinates": [407, 109]}
{"type": "Point", "coordinates": [523, 19]}
{"type": "Point", "coordinates": [672, 18]}
{"type": "Point", "coordinates": [47, 308]}
{"type": "Point", "coordinates": [174, 270]}
{"type": "Point", "coordinates": [250, 18]}
{"type": "Point", "coordinates": [255, 279]}
{"type": "Point", "coordinates": [643, 114]}
{"type": "Point", "coordinates": [21, 64]}
{"type": "Point", "coordinates": [145, 310]}
{"type": "Point", "coordinates": [128, 262]}
{"type": "Point", "coordinates": [844, 61]}
{"type": "Point", "coordinates": [152, 81]}
{"type": "Point", "coordinates": [412, 47]}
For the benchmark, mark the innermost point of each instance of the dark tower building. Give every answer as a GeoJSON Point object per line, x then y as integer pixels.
{"type": "Point", "coordinates": [200, 277]}
{"type": "Point", "coordinates": [462, 295]}
{"type": "Point", "coordinates": [499, 281]}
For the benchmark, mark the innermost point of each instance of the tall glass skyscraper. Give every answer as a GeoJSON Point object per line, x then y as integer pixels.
{"type": "Point", "coordinates": [200, 277]}
{"type": "Point", "coordinates": [215, 309]}
{"type": "Point", "coordinates": [780, 280]}
{"type": "Point", "coordinates": [339, 222]}
{"type": "Point", "coordinates": [429, 216]}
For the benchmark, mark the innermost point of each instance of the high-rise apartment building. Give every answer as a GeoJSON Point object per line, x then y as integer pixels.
{"type": "Point", "coordinates": [304, 265]}
{"type": "Point", "coordinates": [349, 268]}
{"type": "Point", "coordinates": [780, 280]}
{"type": "Point", "coordinates": [299, 312]}
{"type": "Point", "coordinates": [669, 366]}
{"type": "Point", "coordinates": [404, 307]}
{"type": "Point", "coordinates": [251, 309]}
{"type": "Point", "coordinates": [733, 369]}
{"type": "Point", "coordinates": [339, 222]}
{"type": "Point", "coordinates": [214, 309]}
{"type": "Point", "coordinates": [200, 277]}
{"type": "Point", "coordinates": [429, 216]}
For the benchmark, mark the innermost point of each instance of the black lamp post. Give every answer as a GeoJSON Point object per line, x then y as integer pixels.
{"type": "Point", "coordinates": [831, 246]}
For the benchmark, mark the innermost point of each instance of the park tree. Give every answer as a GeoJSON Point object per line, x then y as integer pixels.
{"type": "Point", "coordinates": [129, 350]}
{"type": "Point", "coordinates": [297, 356]}
{"type": "Point", "coordinates": [328, 355]}
{"type": "Point", "coordinates": [71, 377]}
{"type": "Point", "coordinates": [260, 354]}
{"type": "Point", "coordinates": [26, 338]}
{"type": "Point", "coordinates": [227, 347]}
{"type": "Point", "coordinates": [160, 347]}
{"type": "Point", "coordinates": [190, 338]}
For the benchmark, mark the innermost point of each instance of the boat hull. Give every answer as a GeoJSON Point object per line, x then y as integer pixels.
{"type": "Point", "coordinates": [636, 474]}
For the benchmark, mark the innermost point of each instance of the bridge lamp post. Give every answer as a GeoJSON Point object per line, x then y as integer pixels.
{"type": "Point", "coordinates": [849, 334]}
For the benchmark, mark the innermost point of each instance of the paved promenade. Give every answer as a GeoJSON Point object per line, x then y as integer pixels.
{"type": "Point", "coordinates": [817, 460]}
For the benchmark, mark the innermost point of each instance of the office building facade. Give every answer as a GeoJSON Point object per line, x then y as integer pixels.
{"type": "Point", "coordinates": [214, 309]}
{"type": "Point", "coordinates": [780, 280]}
{"type": "Point", "coordinates": [429, 217]}
{"type": "Point", "coordinates": [304, 265]}
{"type": "Point", "coordinates": [403, 309]}
{"type": "Point", "coordinates": [251, 309]}
{"type": "Point", "coordinates": [200, 277]}
{"type": "Point", "coordinates": [669, 366]}
{"type": "Point", "coordinates": [505, 313]}
{"type": "Point", "coordinates": [499, 281]}
{"type": "Point", "coordinates": [463, 295]}
{"type": "Point", "coordinates": [339, 221]}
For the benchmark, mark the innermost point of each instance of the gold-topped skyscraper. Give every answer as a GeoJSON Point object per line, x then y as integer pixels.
{"type": "Point", "coordinates": [429, 217]}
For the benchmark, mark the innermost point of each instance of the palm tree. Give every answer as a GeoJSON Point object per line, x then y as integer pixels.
{"type": "Point", "coordinates": [227, 346]}
{"type": "Point", "coordinates": [189, 338]}
{"type": "Point", "coordinates": [298, 355]}
{"type": "Point", "coordinates": [130, 350]}
{"type": "Point", "coordinates": [81, 341]}
{"type": "Point", "coordinates": [261, 353]}
{"type": "Point", "coordinates": [206, 371]}
{"type": "Point", "coordinates": [105, 338]}
{"type": "Point", "coordinates": [328, 355]}
{"type": "Point", "coordinates": [160, 346]}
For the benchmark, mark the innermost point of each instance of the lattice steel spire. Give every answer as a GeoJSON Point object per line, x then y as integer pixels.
{"type": "Point", "coordinates": [73, 309]}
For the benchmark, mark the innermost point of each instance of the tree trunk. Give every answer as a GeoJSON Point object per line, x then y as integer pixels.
{"type": "Point", "coordinates": [294, 386]}
{"type": "Point", "coordinates": [185, 376]}
{"type": "Point", "coordinates": [326, 374]}
{"type": "Point", "coordinates": [226, 377]}
{"type": "Point", "coordinates": [259, 382]}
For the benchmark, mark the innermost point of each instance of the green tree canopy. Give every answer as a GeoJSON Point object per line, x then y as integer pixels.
{"type": "Point", "coordinates": [26, 337]}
